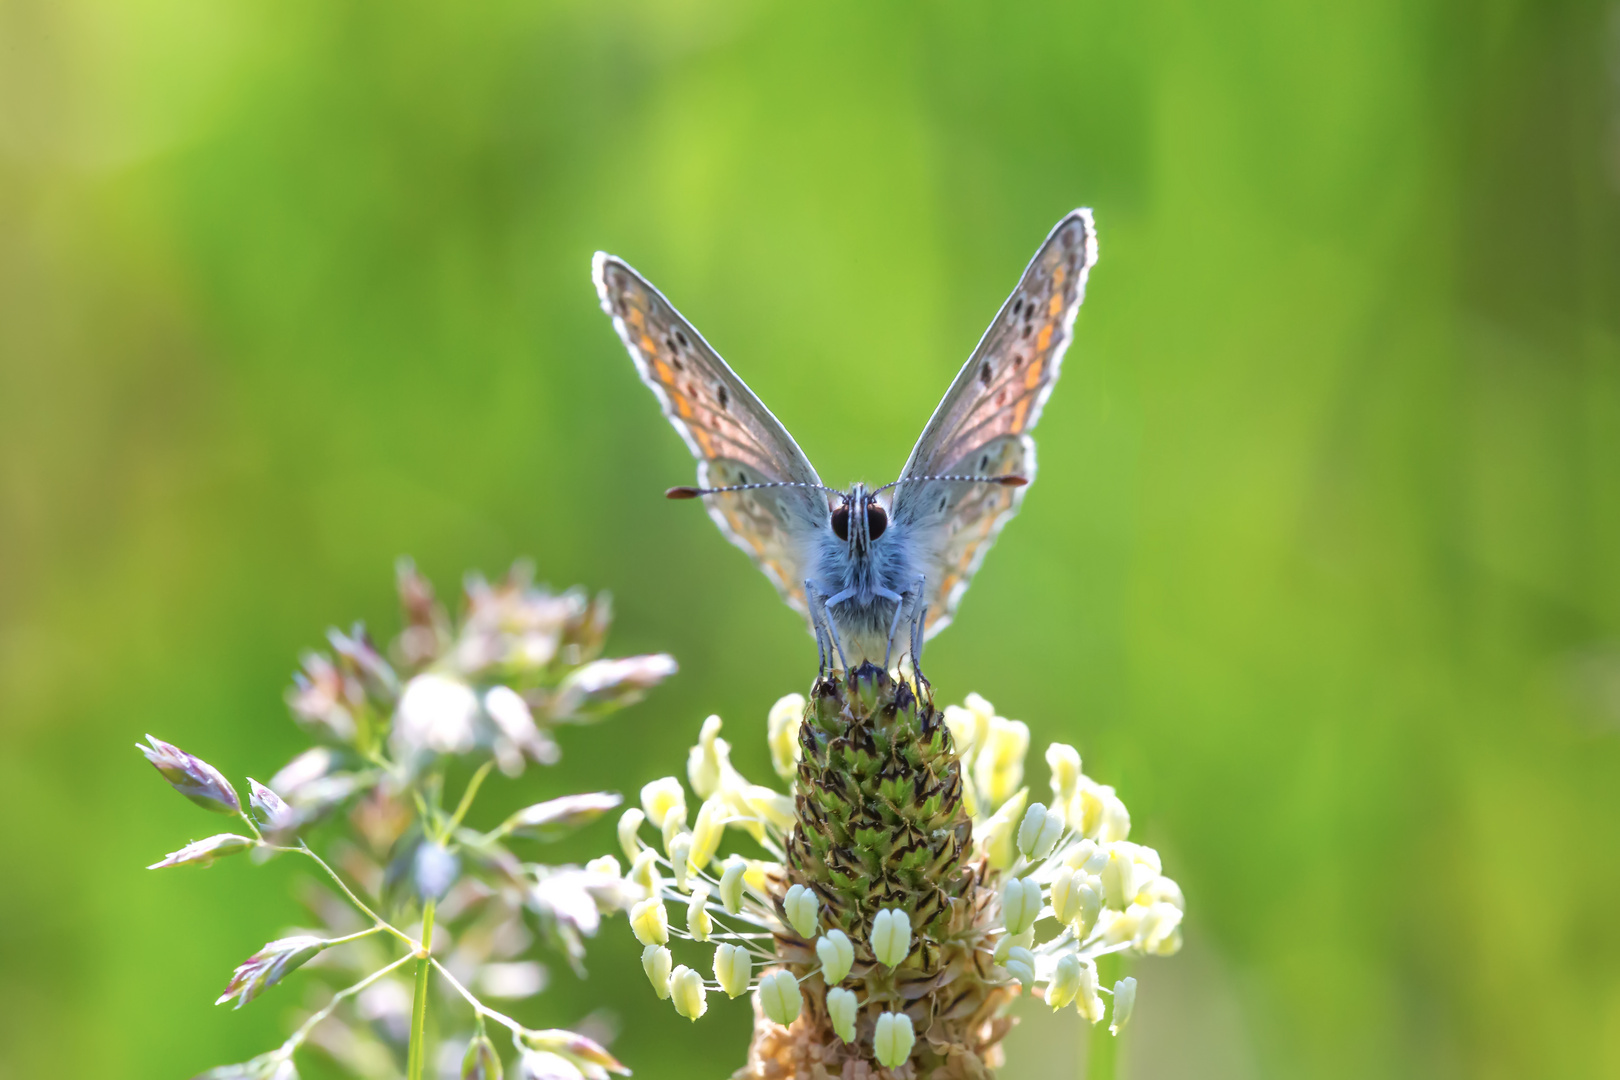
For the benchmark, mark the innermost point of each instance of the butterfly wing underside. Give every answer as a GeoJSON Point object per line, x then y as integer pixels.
{"type": "Point", "coordinates": [982, 425]}
{"type": "Point", "coordinates": [730, 432]}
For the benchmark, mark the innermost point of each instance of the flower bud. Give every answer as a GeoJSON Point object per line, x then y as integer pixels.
{"type": "Point", "coordinates": [606, 865]}
{"type": "Point", "coordinates": [707, 833]}
{"type": "Point", "coordinates": [1020, 964]}
{"type": "Point", "coordinates": [891, 937]}
{"type": "Point", "coordinates": [1087, 1002]}
{"type": "Point", "coordinates": [1124, 1002]}
{"type": "Point", "coordinates": [783, 734]}
{"type": "Point", "coordinates": [687, 991]}
{"type": "Point", "coordinates": [779, 997]}
{"type": "Point", "coordinates": [1079, 856]}
{"type": "Point", "coordinates": [731, 884]}
{"type": "Point", "coordinates": [803, 910]}
{"type": "Point", "coordinates": [1039, 833]}
{"type": "Point", "coordinates": [656, 961]}
{"type": "Point", "coordinates": [266, 967]}
{"type": "Point", "coordinates": [1064, 762]}
{"type": "Point", "coordinates": [553, 818]}
{"type": "Point", "coordinates": [604, 685]}
{"type": "Point", "coordinates": [1118, 880]}
{"type": "Point", "coordinates": [680, 857]}
{"type": "Point", "coordinates": [841, 1009]}
{"type": "Point", "coordinates": [698, 923]}
{"type": "Point", "coordinates": [1065, 981]}
{"type": "Point", "coordinates": [204, 852]}
{"type": "Point", "coordinates": [733, 969]}
{"type": "Point", "coordinates": [481, 1062]}
{"type": "Point", "coordinates": [192, 777]}
{"type": "Point", "coordinates": [663, 798]}
{"type": "Point", "coordinates": [578, 1049]}
{"type": "Point", "coordinates": [893, 1040]}
{"type": "Point", "coordinates": [837, 956]}
{"type": "Point", "coordinates": [1020, 904]}
{"type": "Point", "coordinates": [629, 825]}
{"type": "Point", "coordinates": [274, 814]}
{"type": "Point", "coordinates": [650, 922]}
{"type": "Point", "coordinates": [703, 761]}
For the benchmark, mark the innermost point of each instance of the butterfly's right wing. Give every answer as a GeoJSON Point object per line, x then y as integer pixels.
{"type": "Point", "coordinates": [730, 432]}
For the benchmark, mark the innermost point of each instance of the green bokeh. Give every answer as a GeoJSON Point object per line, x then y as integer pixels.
{"type": "Point", "coordinates": [1322, 570]}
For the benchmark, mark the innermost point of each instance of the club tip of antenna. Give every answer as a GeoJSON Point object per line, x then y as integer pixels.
{"type": "Point", "coordinates": [1012, 481]}
{"type": "Point", "coordinates": [681, 493]}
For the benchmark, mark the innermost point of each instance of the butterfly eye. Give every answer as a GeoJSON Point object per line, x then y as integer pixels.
{"type": "Point", "coordinates": [876, 520]}
{"type": "Point", "coordinates": [840, 522]}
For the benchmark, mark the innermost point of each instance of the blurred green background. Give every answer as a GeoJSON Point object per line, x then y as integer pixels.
{"type": "Point", "coordinates": [1322, 569]}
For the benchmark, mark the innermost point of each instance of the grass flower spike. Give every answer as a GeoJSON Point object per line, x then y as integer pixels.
{"type": "Point", "coordinates": [451, 701]}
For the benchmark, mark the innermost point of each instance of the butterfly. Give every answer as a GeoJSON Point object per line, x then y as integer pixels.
{"type": "Point", "coordinates": [862, 563]}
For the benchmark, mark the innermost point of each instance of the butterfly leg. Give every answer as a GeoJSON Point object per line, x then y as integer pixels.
{"type": "Point", "coordinates": [894, 623]}
{"type": "Point", "coordinates": [816, 615]}
{"type": "Point", "coordinates": [832, 630]}
{"type": "Point", "coordinates": [919, 620]}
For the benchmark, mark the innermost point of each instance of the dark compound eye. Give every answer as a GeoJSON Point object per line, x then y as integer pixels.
{"type": "Point", "coordinates": [840, 522]}
{"type": "Point", "coordinates": [876, 520]}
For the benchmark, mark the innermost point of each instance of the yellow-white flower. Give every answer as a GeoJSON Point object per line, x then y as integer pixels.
{"type": "Point", "coordinates": [703, 762]}
{"type": "Point", "coordinates": [802, 909]}
{"type": "Point", "coordinates": [998, 769]}
{"type": "Point", "coordinates": [1020, 964]}
{"type": "Point", "coordinates": [1065, 982]}
{"type": "Point", "coordinates": [698, 923]}
{"type": "Point", "coordinates": [650, 922]}
{"type": "Point", "coordinates": [1124, 1002]}
{"type": "Point", "coordinates": [662, 799]}
{"type": "Point", "coordinates": [680, 857]}
{"type": "Point", "coordinates": [1020, 904]}
{"type": "Point", "coordinates": [783, 734]}
{"type": "Point", "coordinates": [733, 969]}
{"type": "Point", "coordinates": [1087, 1002]}
{"type": "Point", "coordinates": [779, 997]}
{"type": "Point", "coordinates": [837, 956]}
{"type": "Point", "coordinates": [891, 936]}
{"type": "Point", "coordinates": [707, 832]}
{"type": "Point", "coordinates": [644, 871]}
{"type": "Point", "coordinates": [630, 823]}
{"type": "Point", "coordinates": [687, 991]}
{"type": "Point", "coordinates": [731, 884]}
{"type": "Point", "coordinates": [893, 1040]}
{"type": "Point", "coordinates": [841, 1009]}
{"type": "Point", "coordinates": [657, 962]}
{"type": "Point", "coordinates": [996, 837]}
{"type": "Point", "coordinates": [1039, 832]}
{"type": "Point", "coordinates": [1064, 762]}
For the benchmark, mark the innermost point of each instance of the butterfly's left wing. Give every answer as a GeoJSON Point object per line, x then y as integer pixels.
{"type": "Point", "coordinates": [730, 432]}
{"type": "Point", "coordinates": [982, 425]}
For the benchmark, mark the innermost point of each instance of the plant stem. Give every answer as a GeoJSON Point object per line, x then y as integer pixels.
{"type": "Point", "coordinates": [467, 798]}
{"type": "Point", "coordinates": [1103, 1058]}
{"type": "Point", "coordinates": [424, 965]}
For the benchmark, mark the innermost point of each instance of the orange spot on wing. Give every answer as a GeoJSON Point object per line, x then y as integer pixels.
{"type": "Point", "coordinates": [1059, 274]}
{"type": "Point", "coordinates": [648, 347]}
{"type": "Point", "coordinates": [1032, 377]}
{"type": "Point", "coordinates": [1056, 304]}
{"type": "Point", "coordinates": [1019, 412]}
{"type": "Point", "coordinates": [1044, 338]}
{"type": "Point", "coordinates": [698, 433]}
{"type": "Point", "coordinates": [665, 376]}
{"type": "Point", "coordinates": [636, 318]}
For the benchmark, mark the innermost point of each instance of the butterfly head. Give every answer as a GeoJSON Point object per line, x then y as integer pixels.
{"type": "Point", "coordinates": [859, 519]}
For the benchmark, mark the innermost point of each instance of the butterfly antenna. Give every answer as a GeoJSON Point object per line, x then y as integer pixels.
{"type": "Point", "coordinates": [1010, 480]}
{"type": "Point", "coordinates": [694, 492]}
